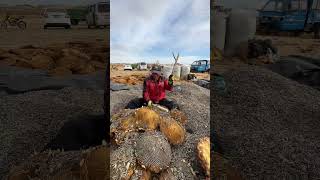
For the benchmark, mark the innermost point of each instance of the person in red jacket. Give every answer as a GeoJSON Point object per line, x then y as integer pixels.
{"type": "Point", "coordinates": [154, 92]}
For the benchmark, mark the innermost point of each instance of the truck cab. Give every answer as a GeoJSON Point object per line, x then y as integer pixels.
{"type": "Point", "coordinates": [200, 66]}
{"type": "Point", "coordinates": [290, 15]}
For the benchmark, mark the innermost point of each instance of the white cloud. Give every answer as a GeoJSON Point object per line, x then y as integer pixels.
{"type": "Point", "coordinates": [144, 30]}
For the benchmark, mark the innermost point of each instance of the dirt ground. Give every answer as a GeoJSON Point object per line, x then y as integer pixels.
{"type": "Point", "coordinates": [36, 35]}
{"type": "Point", "coordinates": [135, 77]}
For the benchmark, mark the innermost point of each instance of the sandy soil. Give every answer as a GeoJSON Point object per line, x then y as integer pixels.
{"type": "Point", "coordinates": [302, 45]}
{"type": "Point", "coordinates": [36, 35]}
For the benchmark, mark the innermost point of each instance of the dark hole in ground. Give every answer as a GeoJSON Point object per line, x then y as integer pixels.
{"type": "Point", "coordinates": [81, 133]}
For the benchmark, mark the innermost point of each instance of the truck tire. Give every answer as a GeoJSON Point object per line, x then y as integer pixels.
{"type": "Point", "coordinates": [316, 31]}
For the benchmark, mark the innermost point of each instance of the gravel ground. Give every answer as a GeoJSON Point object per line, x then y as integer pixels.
{"type": "Point", "coordinates": [194, 101]}
{"type": "Point", "coordinates": [267, 125]}
{"type": "Point", "coordinates": [29, 121]}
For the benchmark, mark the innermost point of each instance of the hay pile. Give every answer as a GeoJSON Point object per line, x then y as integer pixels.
{"type": "Point", "coordinates": [92, 163]}
{"type": "Point", "coordinates": [152, 135]}
{"type": "Point", "coordinates": [133, 79]}
{"type": "Point", "coordinates": [58, 60]}
{"type": "Point", "coordinates": [267, 125]}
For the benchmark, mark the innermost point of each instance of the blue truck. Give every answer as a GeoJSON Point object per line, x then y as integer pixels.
{"type": "Point", "coordinates": [200, 66]}
{"type": "Point", "coordinates": [290, 16]}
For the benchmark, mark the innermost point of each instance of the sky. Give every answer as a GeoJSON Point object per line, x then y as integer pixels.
{"type": "Point", "coordinates": [145, 30]}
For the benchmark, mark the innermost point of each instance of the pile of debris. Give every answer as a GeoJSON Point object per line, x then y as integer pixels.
{"type": "Point", "coordinates": [58, 60]}
{"type": "Point", "coordinates": [144, 141]}
{"type": "Point", "coordinates": [133, 79]}
{"type": "Point", "coordinates": [267, 125]}
{"type": "Point", "coordinates": [92, 163]}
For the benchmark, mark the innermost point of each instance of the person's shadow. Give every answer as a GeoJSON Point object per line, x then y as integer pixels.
{"type": "Point", "coordinates": [81, 133]}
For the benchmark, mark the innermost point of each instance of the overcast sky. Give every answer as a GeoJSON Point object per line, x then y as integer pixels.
{"type": "Point", "coordinates": [145, 30]}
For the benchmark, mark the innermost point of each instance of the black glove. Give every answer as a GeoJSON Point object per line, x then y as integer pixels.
{"type": "Point", "coordinates": [171, 80]}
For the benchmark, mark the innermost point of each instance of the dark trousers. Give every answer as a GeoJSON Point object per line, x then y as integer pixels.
{"type": "Point", "coordinates": [139, 102]}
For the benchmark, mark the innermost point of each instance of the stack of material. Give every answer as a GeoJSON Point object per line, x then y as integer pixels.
{"type": "Point", "coordinates": [268, 125]}
{"type": "Point", "coordinates": [152, 135]}
{"type": "Point", "coordinates": [185, 161]}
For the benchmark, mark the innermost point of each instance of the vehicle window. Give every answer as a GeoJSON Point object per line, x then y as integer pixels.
{"type": "Point", "coordinates": [203, 62]}
{"type": "Point", "coordinates": [195, 63]}
{"type": "Point", "coordinates": [143, 64]}
{"type": "Point", "coordinates": [102, 8]}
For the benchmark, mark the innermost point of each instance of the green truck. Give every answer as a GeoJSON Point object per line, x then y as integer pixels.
{"type": "Point", "coordinates": [77, 14]}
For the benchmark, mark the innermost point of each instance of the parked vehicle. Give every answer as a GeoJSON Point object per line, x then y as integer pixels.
{"type": "Point", "coordinates": [127, 67]}
{"type": "Point", "coordinates": [98, 15]}
{"type": "Point", "coordinates": [77, 15]}
{"type": "Point", "coordinates": [142, 66]}
{"type": "Point", "coordinates": [200, 66]}
{"type": "Point", "coordinates": [290, 16]}
{"type": "Point", "coordinates": [57, 19]}
{"type": "Point", "coordinates": [13, 21]}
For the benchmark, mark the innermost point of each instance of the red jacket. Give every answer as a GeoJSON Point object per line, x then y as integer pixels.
{"type": "Point", "coordinates": [155, 91]}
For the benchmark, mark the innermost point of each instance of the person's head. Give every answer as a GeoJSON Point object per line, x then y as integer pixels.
{"type": "Point", "coordinates": [155, 75]}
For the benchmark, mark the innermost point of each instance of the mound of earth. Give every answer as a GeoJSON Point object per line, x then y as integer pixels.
{"type": "Point", "coordinates": [185, 162]}
{"type": "Point", "coordinates": [267, 125]}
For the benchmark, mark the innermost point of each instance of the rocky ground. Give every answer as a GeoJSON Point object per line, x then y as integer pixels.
{"type": "Point", "coordinates": [34, 106]}
{"type": "Point", "coordinates": [267, 125]}
{"type": "Point", "coordinates": [185, 160]}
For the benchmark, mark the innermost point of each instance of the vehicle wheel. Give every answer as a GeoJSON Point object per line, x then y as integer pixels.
{"type": "Point", "coordinates": [22, 25]}
{"type": "Point", "coordinates": [45, 27]}
{"type": "Point", "coordinates": [67, 27]}
{"type": "Point", "coordinates": [89, 27]}
{"type": "Point", "coordinates": [316, 30]}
